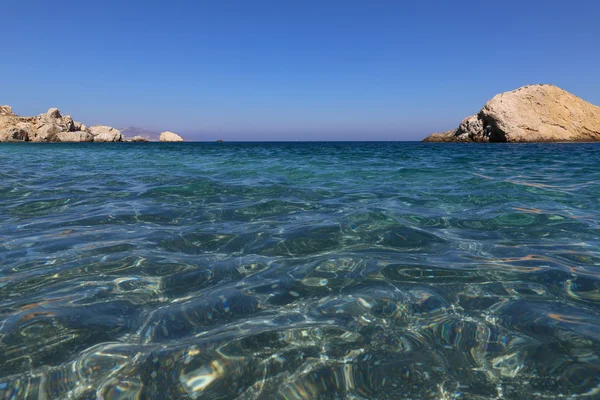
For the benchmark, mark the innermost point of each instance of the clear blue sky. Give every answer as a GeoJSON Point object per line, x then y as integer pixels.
{"type": "Point", "coordinates": [290, 70]}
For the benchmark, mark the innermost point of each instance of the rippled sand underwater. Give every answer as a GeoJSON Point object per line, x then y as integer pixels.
{"type": "Point", "coordinates": [299, 271]}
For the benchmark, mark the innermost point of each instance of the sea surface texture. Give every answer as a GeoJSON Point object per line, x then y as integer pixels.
{"type": "Point", "coordinates": [299, 271]}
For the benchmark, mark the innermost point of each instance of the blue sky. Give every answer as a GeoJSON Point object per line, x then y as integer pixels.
{"type": "Point", "coordinates": [290, 70]}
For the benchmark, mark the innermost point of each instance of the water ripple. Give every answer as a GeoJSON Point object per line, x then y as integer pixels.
{"type": "Point", "coordinates": [299, 271]}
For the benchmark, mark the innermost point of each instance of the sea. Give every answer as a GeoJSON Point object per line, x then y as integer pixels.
{"type": "Point", "coordinates": [343, 270]}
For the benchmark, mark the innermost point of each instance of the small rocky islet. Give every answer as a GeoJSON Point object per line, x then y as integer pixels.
{"type": "Point", "coordinates": [52, 126]}
{"type": "Point", "coordinates": [535, 113]}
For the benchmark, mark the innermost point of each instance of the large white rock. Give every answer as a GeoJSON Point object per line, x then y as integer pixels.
{"type": "Point", "coordinates": [170, 137]}
{"type": "Point", "coordinates": [46, 133]}
{"type": "Point", "coordinates": [53, 113]}
{"type": "Point", "coordinates": [138, 138]}
{"type": "Point", "coordinates": [107, 137]}
{"type": "Point", "coordinates": [102, 133]}
{"type": "Point", "coordinates": [77, 136]}
{"type": "Point", "coordinates": [536, 113]}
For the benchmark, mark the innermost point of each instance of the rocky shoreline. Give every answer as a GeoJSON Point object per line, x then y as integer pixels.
{"type": "Point", "coordinates": [52, 126]}
{"type": "Point", "coordinates": [535, 113]}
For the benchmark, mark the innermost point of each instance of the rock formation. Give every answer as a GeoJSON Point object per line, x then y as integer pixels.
{"type": "Point", "coordinates": [76, 136]}
{"type": "Point", "coordinates": [103, 133]}
{"type": "Point", "coordinates": [138, 138]}
{"type": "Point", "coordinates": [12, 129]}
{"type": "Point", "coordinates": [51, 126]}
{"type": "Point", "coordinates": [5, 110]}
{"type": "Point", "coordinates": [14, 134]}
{"type": "Point", "coordinates": [170, 137]}
{"type": "Point", "coordinates": [536, 113]}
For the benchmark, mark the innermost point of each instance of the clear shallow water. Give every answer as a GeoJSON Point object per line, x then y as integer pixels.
{"type": "Point", "coordinates": [292, 271]}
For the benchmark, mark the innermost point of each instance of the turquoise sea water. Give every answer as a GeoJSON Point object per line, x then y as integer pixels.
{"type": "Point", "coordinates": [299, 271]}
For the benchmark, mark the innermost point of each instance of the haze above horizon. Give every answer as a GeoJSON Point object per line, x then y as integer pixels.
{"type": "Point", "coordinates": [273, 70]}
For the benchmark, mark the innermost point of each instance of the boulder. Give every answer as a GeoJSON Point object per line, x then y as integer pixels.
{"type": "Point", "coordinates": [53, 113]}
{"type": "Point", "coordinates": [14, 134]}
{"type": "Point", "coordinates": [103, 133]}
{"type": "Point", "coordinates": [138, 139]}
{"type": "Point", "coordinates": [78, 126]}
{"type": "Point", "coordinates": [77, 136]}
{"type": "Point", "coordinates": [441, 137]}
{"type": "Point", "coordinates": [471, 128]}
{"type": "Point", "coordinates": [5, 110]}
{"type": "Point", "coordinates": [46, 133]}
{"type": "Point", "coordinates": [107, 137]}
{"type": "Point", "coordinates": [170, 137]}
{"type": "Point", "coordinates": [536, 113]}
{"type": "Point", "coordinates": [68, 123]}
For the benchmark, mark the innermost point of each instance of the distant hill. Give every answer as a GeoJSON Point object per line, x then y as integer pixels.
{"type": "Point", "coordinates": [132, 131]}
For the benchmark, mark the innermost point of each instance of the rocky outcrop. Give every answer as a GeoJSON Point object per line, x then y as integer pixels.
{"type": "Point", "coordinates": [103, 133]}
{"type": "Point", "coordinates": [51, 126]}
{"type": "Point", "coordinates": [46, 133]}
{"type": "Point", "coordinates": [5, 110]}
{"type": "Point", "coordinates": [14, 134]}
{"type": "Point", "coordinates": [77, 136]}
{"type": "Point", "coordinates": [138, 139]}
{"type": "Point", "coordinates": [12, 128]}
{"type": "Point", "coordinates": [53, 113]}
{"type": "Point", "coordinates": [47, 126]}
{"type": "Point", "coordinates": [441, 137]}
{"type": "Point", "coordinates": [536, 113]}
{"type": "Point", "coordinates": [170, 137]}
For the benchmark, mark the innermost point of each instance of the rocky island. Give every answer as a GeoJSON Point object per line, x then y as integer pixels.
{"type": "Point", "coordinates": [52, 126]}
{"type": "Point", "coordinates": [535, 113]}
{"type": "Point", "coordinates": [170, 137]}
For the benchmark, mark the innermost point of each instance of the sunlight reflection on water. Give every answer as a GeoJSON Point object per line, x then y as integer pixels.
{"type": "Point", "coordinates": [299, 271]}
